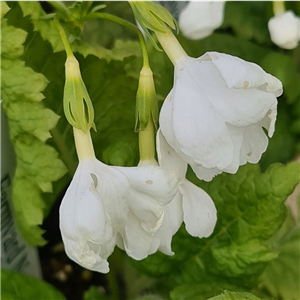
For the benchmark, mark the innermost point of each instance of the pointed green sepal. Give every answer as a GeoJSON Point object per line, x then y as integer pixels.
{"type": "Point", "coordinates": [146, 102]}
{"type": "Point", "coordinates": [78, 105]}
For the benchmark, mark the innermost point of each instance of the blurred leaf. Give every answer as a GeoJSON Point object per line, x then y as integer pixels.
{"type": "Point", "coordinates": [248, 20]}
{"type": "Point", "coordinates": [93, 293]}
{"type": "Point", "coordinates": [17, 286]}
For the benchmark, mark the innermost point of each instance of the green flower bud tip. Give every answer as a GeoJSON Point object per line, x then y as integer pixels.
{"type": "Point", "coordinates": [78, 106]}
{"type": "Point", "coordinates": [146, 102]}
{"type": "Point", "coordinates": [152, 16]}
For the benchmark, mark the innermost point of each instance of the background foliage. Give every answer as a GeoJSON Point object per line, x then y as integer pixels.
{"type": "Point", "coordinates": [254, 250]}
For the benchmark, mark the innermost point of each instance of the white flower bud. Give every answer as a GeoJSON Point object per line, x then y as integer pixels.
{"type": "Point", "coordinates": [285, 30]}
{"type": "Point", "coordinates": [199, 19]}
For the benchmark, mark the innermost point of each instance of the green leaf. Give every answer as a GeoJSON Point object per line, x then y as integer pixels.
{"type": "Point", "coordinates": [93, 293]}
{"type": "Point", "coordinates": [235, 296]}
{"type": "Point", "coordinates": [199, 291]}
{"type": "Point", "coordinates": [17, 286]}
{"type": "Point", "coordinates": [30, 123]}
{"type": "Point", "coordinates": [4, 9]}
{"type": "Point", "coordinates": [49, 33]}
{"type": "Point", "coordinates": [250, 207]}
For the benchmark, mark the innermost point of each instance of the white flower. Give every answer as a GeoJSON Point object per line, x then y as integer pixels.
{"type": "Point", "coordinates": [93, 210]}
{"type": "Point", "coordinates": [284, 30]}
{"type": "Point", "coordinates": [215, 114]}
{"type": "Point", "coordinates": [150, 189]}
{"type": "Point", "coordinates": [190, 204]}
{"type": "Point", "coordinates": [199, 19]}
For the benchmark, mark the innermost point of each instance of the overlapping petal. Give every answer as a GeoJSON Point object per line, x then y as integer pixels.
{"type": "Point", "coordinates": [191, 204]}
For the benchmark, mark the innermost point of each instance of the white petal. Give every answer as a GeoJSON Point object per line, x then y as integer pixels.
{"type": "Point", "coordinates": [147, 210]}
{"type": "Point", "coordinates": [112, 187]}
{"type": "Point", "coordinates": [240, 74]}
{"type": "Point", "coordinates": [199, 129]}
{"type": "Point", "coordinates": [255, 143]}
{"type": "Point", "coordinates": [206, 174]}
{"type": "Point", "coordinates": [83, 256]}
{"type": "Point", "coordinates": [238, 106]}
{"type": "Point", "coordinates": [199, 212]}
{"type": "Point", "coordinates": [136, 241]}
{"type": "Point", "coordinates": [153, 181]}
{"type": "Point", "coordinates": [87, 226]}
{"type": "Point", "coordinates": [82, 212]}
{"type": "Point", "coordinates": [173, 217]}
{"type": "Point", "coordinates": [168, 158]}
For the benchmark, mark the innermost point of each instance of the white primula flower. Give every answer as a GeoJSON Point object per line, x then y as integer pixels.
{"type": "Point", "coordinates": [284, 30]}
{"type": "Point", "coordinates": [92, 211]}
{"type": "Point", "coordinates": [150, 189]}
{"type": "Point", "coordinates": [190, 204]}
{"type": "Point", "coordinates": [199, 19]}
{"type": "Point", "coordinates": [215, 114]}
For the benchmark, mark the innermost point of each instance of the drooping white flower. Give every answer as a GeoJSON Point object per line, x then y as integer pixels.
{"type": "Point", "coordinates": [199, 19]}
{"type": "Point", "coordinates": [190, 204]}
{"type": "Point", "coordinates": [151, 188]}
{"type": "Point", "coordinates": [284, 30]}
{"type": "Point", "coordinates": [215, 114]}
{"type": "Point", "coordinates": [93, 209]}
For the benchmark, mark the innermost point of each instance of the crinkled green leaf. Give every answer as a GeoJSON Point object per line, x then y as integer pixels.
{"type": "Point", "coordinates": [17, 286]}
{"type": "Point", "coordinates": [30, 123]}
{"type": "Point", "coordinates": [282, 275]}
{"type": "Point", "coordinates": [235, 296]}
{"type": "Point", "coordinates": [250, 207]}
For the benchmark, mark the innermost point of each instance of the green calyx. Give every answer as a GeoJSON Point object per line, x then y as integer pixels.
{"type": "Point", "coordinates": [152, 16]}
{"type": "Point", "coordinates": [146, 102]}
{"type": "Point", "coordinates": [78, 105]}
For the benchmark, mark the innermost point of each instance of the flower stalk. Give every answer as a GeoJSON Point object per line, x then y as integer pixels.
{"type": "Point", "coordinates": [84, 144]}
{"type": "Point", "coordinates": [146, 145]}
{"type": "Point", "coordinates": [171, 46]}
{"type": "Point", "coordinates": [278, 7]}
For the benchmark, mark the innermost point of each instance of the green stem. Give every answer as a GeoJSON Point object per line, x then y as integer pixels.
{"type": "Point", "coordinates": [171, 46]}
{"type": "Point", "coordinates": [126, 24]}
{"type": "Point", "coordinates": [146, 144]}
{"type": "Point", "coordinates": [63, 38]}
{"type": "Point", "coordinates": [278, 7]}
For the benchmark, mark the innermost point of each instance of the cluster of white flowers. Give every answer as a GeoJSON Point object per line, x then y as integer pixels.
{"type": "Point", "coordinates": [213, 120]}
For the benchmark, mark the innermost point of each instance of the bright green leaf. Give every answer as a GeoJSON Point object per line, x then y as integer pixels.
{"type": "Point", "coordinates": [30, 123]}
